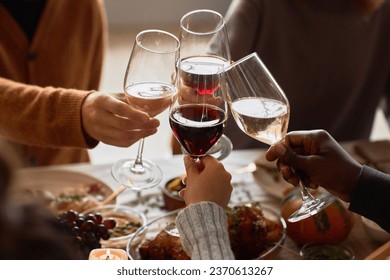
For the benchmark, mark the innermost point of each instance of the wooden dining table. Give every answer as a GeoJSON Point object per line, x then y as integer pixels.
{"type": "Point", "coordinates": [245, 189]}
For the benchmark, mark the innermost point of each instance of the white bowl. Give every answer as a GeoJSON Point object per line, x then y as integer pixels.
{"type": "Point", "coordinates": [375, 231]}
{"type": "Point", "coordinates": [122, 215]}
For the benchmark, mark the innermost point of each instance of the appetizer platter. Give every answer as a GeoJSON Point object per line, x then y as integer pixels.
{"type": "Point", "coordinates": [60, 190]}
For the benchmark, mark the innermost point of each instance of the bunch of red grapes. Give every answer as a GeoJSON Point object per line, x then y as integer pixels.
{"type": "Point", "coordinates": [87, 230]}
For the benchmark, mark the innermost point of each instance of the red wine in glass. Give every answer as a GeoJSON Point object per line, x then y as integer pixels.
{"type": "Point", "coordinates": [201, 72]}
{"type": "Point", "coordinates": [197, 127]}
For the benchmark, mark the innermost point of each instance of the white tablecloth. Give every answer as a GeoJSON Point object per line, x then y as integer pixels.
{"type": "Point", "coordinates": [150, 201]}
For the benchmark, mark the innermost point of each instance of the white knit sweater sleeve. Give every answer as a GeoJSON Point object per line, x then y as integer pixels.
{"type": "Point", "coordinates": [203, 231]}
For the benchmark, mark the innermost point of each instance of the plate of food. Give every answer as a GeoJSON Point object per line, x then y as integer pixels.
{"type": "Point", "coordinates": [60, 190]}
{"type": "Point", "coordinates": [267, 233]}
{"type": "Point", "coordinates": [268, 177]}
{"type": "Point", "coordinates": [122, 223]}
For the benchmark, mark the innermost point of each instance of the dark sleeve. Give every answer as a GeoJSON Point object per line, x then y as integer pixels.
{"type": "Point", "coordinates": [243, 20]}
{"type": "Point", "coordinates": [371, 197]}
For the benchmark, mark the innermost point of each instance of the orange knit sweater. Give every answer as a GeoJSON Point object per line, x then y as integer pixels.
{"type": "Point", "coordinates": [44, 83]}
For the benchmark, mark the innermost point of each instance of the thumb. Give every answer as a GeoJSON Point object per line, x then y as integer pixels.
{"type": "Point", "coordinates": [182, 192]}
{"type": "Point", "coordinates": [190, 166]}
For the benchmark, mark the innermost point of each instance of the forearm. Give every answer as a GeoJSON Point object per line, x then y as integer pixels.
{"type": "Point", "coordinates": [371, 198]}
{"type": "Point", "coordinates": [38, 116]}
{"type": "Point", "coordinates": [203, 231]}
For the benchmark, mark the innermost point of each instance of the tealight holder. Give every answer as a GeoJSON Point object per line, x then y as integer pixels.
{"type": "Point", "coordinates": [108, 254]}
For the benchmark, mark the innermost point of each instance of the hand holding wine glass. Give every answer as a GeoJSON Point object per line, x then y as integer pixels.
{"type": "Point", "coordinates": [261, 110]}
{"type": "Point", "coordinates": [149, 84]}
{"type": "Point", "coordinates": [199, 181]}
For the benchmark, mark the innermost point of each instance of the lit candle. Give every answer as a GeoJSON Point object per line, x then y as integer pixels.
{"type": "Point", "coordinates": [108, 254]}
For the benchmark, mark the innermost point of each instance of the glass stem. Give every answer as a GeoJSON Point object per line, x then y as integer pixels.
{"type": "Point", "coordinates": [138, 167]}
{"type": "Point", "coordinates": [196, 159]}
{"type": "Point", "coordinates": [306, 195]}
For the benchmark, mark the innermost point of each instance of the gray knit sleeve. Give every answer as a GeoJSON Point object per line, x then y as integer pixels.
{"type": "Point", "coordinates": [203, 231]}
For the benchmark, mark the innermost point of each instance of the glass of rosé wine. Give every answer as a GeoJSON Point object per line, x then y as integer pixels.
{"type": "Point", "coordinates": [149, 84]}
{"type": "Point", "coordinates": [262, 111]}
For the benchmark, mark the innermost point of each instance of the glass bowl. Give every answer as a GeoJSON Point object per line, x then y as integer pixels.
{"type": "Point", "coordinates": [128, 221]}
{"type": "Point", "coordinates": [154, 227]}
{"type": "Point", "coordinates": [313, 251]}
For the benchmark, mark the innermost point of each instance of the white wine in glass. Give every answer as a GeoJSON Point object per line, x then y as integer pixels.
{"type": "Point", "coordinates": [262, 118]}
{"type": "Point", "coordinates": [261, 110]}
{"type": "Point", "coordinates": [149, 84]}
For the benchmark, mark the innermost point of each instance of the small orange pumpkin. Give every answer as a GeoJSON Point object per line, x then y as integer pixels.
{"type": "Point", "coordinates": [332, 225]}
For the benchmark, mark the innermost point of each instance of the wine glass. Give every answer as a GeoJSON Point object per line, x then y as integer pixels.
{"type": "Point", "coordinates": [261, 110]}
{"type": "Point", "coordinates": [149, 84]}
{"type": "Point", "coordinates": [197, 119]}
{"type": "Point", "coordinates": [203, 38]}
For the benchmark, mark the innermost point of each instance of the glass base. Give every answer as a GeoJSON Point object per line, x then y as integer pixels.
{"type": "Point", "coordinates": [172, 230]}
{"type": "Point", "coordinates": [311, 207]}
{"type": "Point", "coordinates": [136, 177]}
{"type": "Point", "coordinates": [220, 150]}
